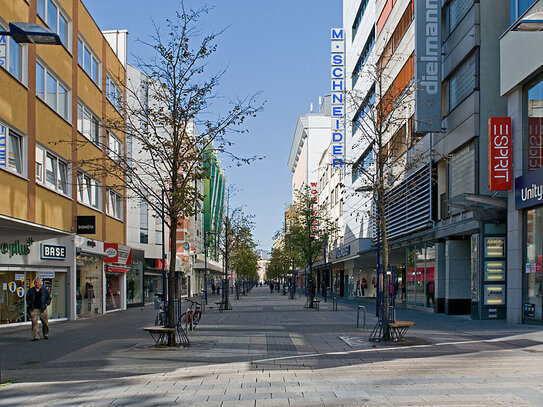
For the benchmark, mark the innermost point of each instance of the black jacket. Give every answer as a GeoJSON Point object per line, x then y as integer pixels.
{"type": "Point", "coordinates": [45, 298]}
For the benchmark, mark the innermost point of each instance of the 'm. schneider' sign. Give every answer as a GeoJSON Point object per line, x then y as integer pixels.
{"type": "Point", "coordinates": [529, 189]}
{"type": "Point", "coordinates": [343, 251]}
{"type": "Point", "coordinates": [427, 65]}
{"type": "Point", "coordinates": [338, 95]}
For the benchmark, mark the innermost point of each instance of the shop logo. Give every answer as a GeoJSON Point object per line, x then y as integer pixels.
{"type": "Point", "coordinates": [16, 248]}
{"type": "Point", "coordinates": [111, 252]}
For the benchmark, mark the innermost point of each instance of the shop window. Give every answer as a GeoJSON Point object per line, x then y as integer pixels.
{"type": "Point", "coordinates": [57, 20]}
{"type": "Point", "coordinates": [11, 150]}
{"type": "Point", "coordinates": [51, 170]}
{"type": "Point", "coordinates": [88, 123]}
{"type": "Point", "coordinates": [50, 89]}
{"type": "Point", "coordinates": [114, 204]}
{"type": "Point", "coordinates": [88, 60]}
{"type": "Point", "coordinates": [462, 82]}
{"type": "Point", "coordinates": [114, 93]}
{"type": "Point", "coordinates": [89, 280]}
{"type": "Point", "coordinates": [89, 191]}
{"type": "Point", "coordinates": [533, 264]}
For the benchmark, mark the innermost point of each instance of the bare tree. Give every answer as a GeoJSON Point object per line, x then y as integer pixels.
{"type": "Point", "coordinates": [386, 149]}
{"type": "Point", "coordinates": [162, 120]}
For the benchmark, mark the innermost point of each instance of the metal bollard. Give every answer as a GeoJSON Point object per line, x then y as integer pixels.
{"type": "Point", "coordinates": [358, 316]}
{"type": "Point", "coordinates": [334, 303]}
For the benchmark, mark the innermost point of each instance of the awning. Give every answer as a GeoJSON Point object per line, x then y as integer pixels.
{"type": "Point", "coordinates": [115, 269]}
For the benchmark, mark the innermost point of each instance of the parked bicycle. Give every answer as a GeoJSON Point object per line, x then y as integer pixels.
{"type": "Point", "coordinates": [192, 315]}
{"type": "Point", "coordinates": [160, 319]}
{"type": "Point", "coordinates": [18, 312]}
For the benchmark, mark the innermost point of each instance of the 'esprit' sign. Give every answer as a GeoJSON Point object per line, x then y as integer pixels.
{"type": "Point", "coordinates": [499, 153]}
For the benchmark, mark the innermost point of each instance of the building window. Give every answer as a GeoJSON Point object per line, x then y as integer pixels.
{"type": "Point", "coordinates": [363, 56]}
{"type": "Point", "coordinates": [519, 7]}
{"type": "Point", "coordinates": [462, 171]}
{"type": "Point", "coordinates": [114, 204]}
{"type": "Point", "coordinates": [455, 11]}
{"type": "Point", "coordinates": [359, 16]}
{"type": "Point", "coordinates": [52, 91]}
{"type": "Point", "coordinates": [11, 56]}
{"type": "Point", "coordinates": [88, 60]}
{"type": "Point", "coordinates": [51, 170]}
{"type": "Point", "coordinates": [365, 106]}
{"type": "Point", "coordinates": [57, 20]}
{"type": "Point", "coordinates": [88, 191]}
{"type": "Point", "coordinates": [144, 221]}
{"type": "Point", "coordinates": [462, 83]}
{"type": "Point", "coordinates": [158, 230]}
{"type": "Point", "coordinates": [362, 165]}
{"type": "Point", "coordinates": [88, 123]}
{"type": "Point", "coordinates": [11, 150]}
{"type": "Point", "coordinates": [114, 147]}
{"type": "Point", "coordinates": [114, 93]}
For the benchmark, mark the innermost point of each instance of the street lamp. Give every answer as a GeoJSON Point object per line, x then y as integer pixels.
{"type": "Point", "coordinates": [24, 33]}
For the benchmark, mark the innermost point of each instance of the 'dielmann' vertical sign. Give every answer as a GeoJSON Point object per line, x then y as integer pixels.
{"type": "Point", "coordinates": [338, 96]}
{"type": "Point", "coordinates": [427, 66]}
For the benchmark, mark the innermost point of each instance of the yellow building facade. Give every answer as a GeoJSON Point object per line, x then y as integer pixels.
{"type": "Point", "coordinates": [58, 219]}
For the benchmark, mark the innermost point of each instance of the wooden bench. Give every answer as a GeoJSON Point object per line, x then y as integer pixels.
{"type": "Point", "coordinates": [160, 334]}
{"type": "Point", "coordinates": [398, 329]}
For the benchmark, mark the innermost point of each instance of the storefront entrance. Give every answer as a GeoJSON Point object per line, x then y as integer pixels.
{"type": "Point", "coordinates": [113, 291]}
{"type": "Point", "coordinates": [420, 279]}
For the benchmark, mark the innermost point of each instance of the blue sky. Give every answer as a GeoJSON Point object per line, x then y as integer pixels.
{"type": "Point", "coordinates": [280, 48]}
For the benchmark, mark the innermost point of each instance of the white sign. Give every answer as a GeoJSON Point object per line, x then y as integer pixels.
{"type": "Point", "coordinates": [20, 292]}
{"type": "Point", "coordinates": [47, 274]}
{"type": "Point", "coordinates": [2, 146]}
{"type": "Point", "coordinates": [19, 277]}
{"type": "Point", "coordinates": [337, 74]}
{"type": "Point", "coordinates": [12, 286]}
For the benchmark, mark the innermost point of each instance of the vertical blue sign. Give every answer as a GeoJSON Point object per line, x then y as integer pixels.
{"type": "Point", "coordinates": [337, 87]}
{"type": "Point", "coordinates": [2, 146]}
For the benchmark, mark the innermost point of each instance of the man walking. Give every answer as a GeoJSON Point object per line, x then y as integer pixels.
{"type": "Point", "coordinates": [37, 300]}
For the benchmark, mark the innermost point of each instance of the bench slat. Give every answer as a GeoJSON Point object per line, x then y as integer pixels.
{"type": "Point", "coordinates": [159, 329]}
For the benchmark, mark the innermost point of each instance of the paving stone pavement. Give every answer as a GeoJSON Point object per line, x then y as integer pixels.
{"type": "Point", "coordinates": [271, 351]}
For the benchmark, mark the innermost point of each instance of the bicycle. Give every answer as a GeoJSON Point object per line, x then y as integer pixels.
{"type": "Point", "coordinates": [160, 319]}
{"type": "Point", "coordinates": [191, 315]}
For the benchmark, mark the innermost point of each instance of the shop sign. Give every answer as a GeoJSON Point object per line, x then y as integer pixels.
{"type": "Point", "coordinates": [427, 66]}
{"type": "Point", "coordinates": [16, 248]}
{"type": "Point", "coordinates": [46, 274]}
{"type": "Point", "coordinates": [343, 251]}
{"type": "Point", "coordinates": [86, 225]}
{"type": "Point", "coordinates": [116, 253]}
{"type": "Point", "coordinates": [529, 310]}
{"type": "Point", "coordinates": [337, 74]}
{"type": "Point", "coordinates": [529, 189]}
{"type": "Point", "coordinates": [495, 270]}
{"type": "Point", "coordinates": [494, 246]}
{"type": "Point", "coordinates": [499, 154]}
{"type": "Point", "coordinates": [535, 143]}
{"type": "Point", "coordinates": [19, 277]}
{"type": "Point", "coordinates": [494, 295]}
{"type": "Point", "coordinates": [53, 251]}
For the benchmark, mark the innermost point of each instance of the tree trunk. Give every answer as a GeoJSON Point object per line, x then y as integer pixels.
{"type": "Point", "coordinates": [171, 279]}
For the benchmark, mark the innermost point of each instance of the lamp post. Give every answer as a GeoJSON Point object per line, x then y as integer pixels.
{"type": "Point", "coordinates": [206, 241]}
{"type": "Point", "coordinates": [27, 33]}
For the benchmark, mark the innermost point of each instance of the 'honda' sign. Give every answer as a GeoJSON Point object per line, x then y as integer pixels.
{"type": "Point", "coordinates": [499, 154]}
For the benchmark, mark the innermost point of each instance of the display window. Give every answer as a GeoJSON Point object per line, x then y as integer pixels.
{"type": "Point", "coordinates": [13, 288]}
{"type": "Point", "coordinates": [533, 264]}
{"type": "Point", "coordinates": [420, 276]}
{"type": "Point", "coordinates": [113, 291]}
{"type": "Point", "coordinates": [89, 283]}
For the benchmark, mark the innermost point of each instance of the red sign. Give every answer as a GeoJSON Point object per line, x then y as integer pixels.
{"type": "Point", "coordinates": [117, 253]}
{"type": "Point", "coordinates": [499, 154]}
